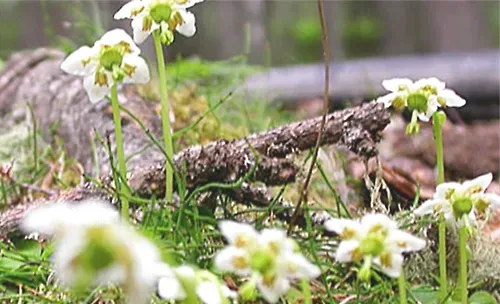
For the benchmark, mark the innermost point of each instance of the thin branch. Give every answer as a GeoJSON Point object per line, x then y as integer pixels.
{"type": "Point", "coordinates": [326, 57]}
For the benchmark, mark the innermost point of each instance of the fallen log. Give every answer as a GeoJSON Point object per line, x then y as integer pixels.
{"type": "Point", "coordinates": [35, 78]}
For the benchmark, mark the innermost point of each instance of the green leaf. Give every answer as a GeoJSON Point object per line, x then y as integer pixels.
{"type": "Point", "coordinates": [482, 297]}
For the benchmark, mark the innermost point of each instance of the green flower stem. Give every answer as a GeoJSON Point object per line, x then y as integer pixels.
{"type": "Point", "coordinates": [306, 292]}
{"type": "Point", "coordinates": [403, 298]}
{"type": "Point", "coordinates": [462, 252]}
{"type": "Point", "coordinates": [122, 167]}
{"type": "Point", "coordinates": [437, 123]}
{"type": "Point", "coordinates": [165, 116]}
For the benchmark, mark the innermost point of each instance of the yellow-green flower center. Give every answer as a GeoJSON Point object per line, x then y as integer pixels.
{"type": "Point", "coordinates": [160, 11]}
{"type": "Point", "coordinates": [110, 57]}
{"type": "Point", "coordinates": [462, 205]}
{"type": "Point", "coordinates": [417, 101]}
{"type": "Point", "coordinates": [372, 245]}
{"type": "Point", "coordinates": [263, 260]}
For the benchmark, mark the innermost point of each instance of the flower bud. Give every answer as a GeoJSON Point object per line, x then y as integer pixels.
{"type": "Point", "coordinates": [364, 273]}
{"type": "Point", "coordinates": [439, 118]}
{"type": "Point", "coordinates": [248, 291]}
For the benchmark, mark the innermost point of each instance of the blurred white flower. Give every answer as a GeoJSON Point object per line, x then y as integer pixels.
{"type": "Point", "coordinates": [459, 202]}
{"type": "Point", "coordinates": [164, 15]}
{"type": "Point", "coordinates": [92, 247]}
{"type": "Point", "coordinates": [270, 256]}
{"type": "Point", "coordinates": [113, 59]}
{"type": "Point", "coordinates": [176, 284]}
{"type": "Point", "coordinates": [424, 96]}
{"type": "Point", "coordinates": [375, 238]}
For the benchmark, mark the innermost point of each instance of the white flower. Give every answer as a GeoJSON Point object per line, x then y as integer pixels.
{"type": "Point", "coordinates": [175, 284]}
{"type": "Point", "coordinates": [92, 243]}
{"type": "Point", "coordinates": [375, 238]}
{"type": "Point", "coordinates": [424, 96]}
{"type": "Point", "coordinates": [456, 200]}
{"type": "Point", "coordinates": [270, 256]}
{"type": "Point", "coordinates": [57, 218]}
{"type": "Point", "coordinates": [164, 15]}
{"type": "Point", "coordinates": [113, 59]}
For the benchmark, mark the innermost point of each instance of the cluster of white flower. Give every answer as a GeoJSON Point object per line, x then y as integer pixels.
{"type": "Point", "coordinates": [166, 16]}
{"type": "Point", "coordinates": [375, 238]}
{"type": "Point", "coordinates": [423, 96]}
{"type": "Point", "coordinates": [94, 246]}
{"type": "Point", "coordinates": [113, 59]}
{"type": "Point", "coordinates": [270, 256]}
{"type": "Point", "coordinates": [461, 202]}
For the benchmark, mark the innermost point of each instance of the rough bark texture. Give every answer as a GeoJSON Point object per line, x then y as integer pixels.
{"type": "Point", "coordinates": [35, 78]}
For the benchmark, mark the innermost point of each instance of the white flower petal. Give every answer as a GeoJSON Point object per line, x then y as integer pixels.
{"type": "Point", "coordinates": [394, 269]}
{"type": "Point", "coordinates": [276, 238]}
{"type": "Point", "coordinates": [377, 219]}
{"type": "Point", "coordinates": [125, 12]}
{"type": "Point", "coordinates": [186, 4]}
{"type": "Point", "coordinates": [169, 288]}
{"type": "Point", "coordinates": [395, 84]}
{"type": "Point", "coordinates": [300, 268]}
{"type": "Point", "coordinates": [273, 293]}
{"type": "Point", "coordinates": [428, 207]}
{"type": "Point", "coordinates": [482, 181]}
{"type": "Point", "coordinates": [493, 199]}
{"type": "Point", "coordinates": [452, 99]}
{"type": "Point", "coordinates": [96, 92]}
{"type": "Point", "coordinates": [433, 82]}
{"type": "Point", "coordinates": [188, 27]}
{"type": "Point", "coordinates": [81, 62]}
{"type": "Point", "coordinates": [345, 250]}
{"type": "Point", "coordinates": [339, 225]}
{"type": "Point", "coordinates": [387, 99]}
{"type": "Point", "coordinates": [67, 248]}
{"type": "Point", "coordinates": [141, 70]}
{"type": "Point", "coordinates": [209, 292]}
{"type": "Point", "coordinates": [55, 218]}
{"type": "Point", "coordinates": [140, 35]}
{"type": "Point", "coordinates": [402, 241]}
{"type": "Point", "coordinates": [234, 231]}
{"type": "Point", "coordinates": [444, 188]}
{"type": "Point", "coordinates": [115, 37]}
{"type": "Point", "coordinates": [225, 260]}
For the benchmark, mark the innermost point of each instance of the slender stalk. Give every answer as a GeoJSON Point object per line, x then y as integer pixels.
{"type": "Point", "coordinates": [443, 282]}
{"type": "Point", "coordinates": [306, 292]}
{"type": "Point", "coordinates": [326, 59]}
{"type": "Point", "coordinates": [403, 298]}
{"type": "Point", "coordinates": [165, 116]}
{"type": "Point", "coordinates": [462, 275]}
{"type": "Point", "coordinates": [122, 167]}
{"type": "Point", "coordinates": [437, 124]}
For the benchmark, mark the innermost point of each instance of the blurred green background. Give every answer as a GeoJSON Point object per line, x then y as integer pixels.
{"type": "Point", "coordinates": [271, 32]}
